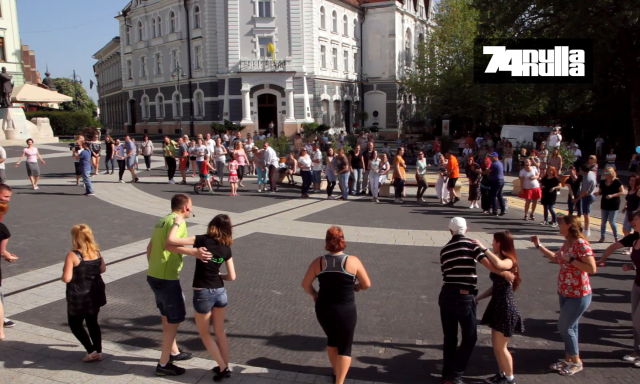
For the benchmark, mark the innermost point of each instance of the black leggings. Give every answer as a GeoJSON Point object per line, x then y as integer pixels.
{"type": "Point", "coordinates": [339, 324]}
{"type": "Point", "coordinates": [330, 186]}
{"type": "Point", "coordinates": [171, 166]}
{"type": "Point", "coordinates": [485, 201]}
{"type": "Point", "coordinates": [240, 172]}
{"type": "Point", "coordinates": [272, 176]}
{"type": "Point", "coordinates": [422, 187]}
{"type": "Point", "coordinates": [91, 342]}
{"type": "Point", "coordinates": [121, 169]}
{"type": "Point", "coordinates": [306, 181]}
{"type": "Point", "coordinates": [398, 186]}
{"type": "Point", "coordinates": [147, 161]}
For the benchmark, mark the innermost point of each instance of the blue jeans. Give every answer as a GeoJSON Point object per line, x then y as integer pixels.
{"type": "Point", "coordinates": [586, 203]}
{"type": "Point", "coordinates": [495, 196]}
{"type": "Point", "coordinates": [456, 307]}
{"type": "Point", "coordinates": [316, 176]}
{"type": "Point", "coordinates": [87, 180]}
{"type": "Point", "coordinates": [574, 207]}
{"type": "Point", "coordinates": [547, 209]}
{"type": "Point", "coordinates": [357, 181]}
{"type": "Point", "coordinates": [610, 217]}
{"type": "Point", "coordinates": [111, 161]}
{"type": "Point", "coordinates": [343, 179]}
{"type": "Point", "coordinates": [306, 181]}
{"type": "Point", "coordinates": [206, 298]}
{"type": "Point", "coordinates": [571, 310]}
{"type": "Point", "coordinates": [262, 176]}
{"type": "Point", "coordinates": [169, 299]}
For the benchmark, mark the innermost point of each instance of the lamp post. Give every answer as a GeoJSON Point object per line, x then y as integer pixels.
{"type": "Point", "coordinates": [76, 79]}
{"type": "Point", "coordinates": [177, 73]}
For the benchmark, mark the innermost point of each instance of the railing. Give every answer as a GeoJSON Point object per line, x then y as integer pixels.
{"type": "Point", "coordinates": [263, 66]}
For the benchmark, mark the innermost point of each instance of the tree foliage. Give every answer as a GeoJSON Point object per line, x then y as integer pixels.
{"type": "Point", "coordinates": [64, 122]}
{"type": "Point", "coordinates": [84, 104]}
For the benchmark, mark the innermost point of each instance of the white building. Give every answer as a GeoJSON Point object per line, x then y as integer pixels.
{"type": "Point", "coordinates": [10, 45]}
{"type": "Point", "coordinates": [332, 59]}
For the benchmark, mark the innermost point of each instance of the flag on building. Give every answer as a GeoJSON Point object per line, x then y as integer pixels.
{"type": "Point", "coordinates": [272, 49]}
{"type": "Point", "coordinates": [90, 84]}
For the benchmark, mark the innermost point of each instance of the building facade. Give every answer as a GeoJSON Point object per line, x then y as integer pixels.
{"type": "Point", "coordinates": [186, 64]}
{"type": "Point", "coordinates": [111, 99]}
{"type": "Point", "coordinates": [31, 73]}
{"type": "Point", "coordinates": [10, 45]}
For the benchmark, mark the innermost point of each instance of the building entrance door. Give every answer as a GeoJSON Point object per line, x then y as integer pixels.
{"type": "Point", "coordinates": [268, 112]}
{"type": "Point", "coordinates": [132, 112]}
{"type": "Point", "coordinates": [347, 116]}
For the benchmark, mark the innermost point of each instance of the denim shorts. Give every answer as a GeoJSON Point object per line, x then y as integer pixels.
{"type": "Point", "coordinates": [169, 299]}
{"type": "Point", "coordinates": [586, 202]}
{"type": "Point", "coordinates": [316, 176]}
{"type": "Point", "coordinates": [206, 298]}
{"type": "Point", "coordinates": [626, 225]}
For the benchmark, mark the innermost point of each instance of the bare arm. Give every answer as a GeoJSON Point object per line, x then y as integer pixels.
{"type": "Point", "coordinates": [67, 269]}
{"type": "Point", "coordinates": [200, 253]}
{"type": "Point", "coordinates": [103, 266]}
{"type": "Point", "coordinates": [20, 159]}
{"type": "Point", "coordinates": [485, 294]}
{"type": "Point", "coordinates": [309, 277]}
{"type": "Point", "coordinates": [172, 239]}
{"type": "Point", "coordinates": [547, 253]}
{"type": "Point", "coordinates": [40, 157]}
{"type": "Point", "coordinates": [231, 271]}
{"type": "Point", "coordinates": [364, 282]}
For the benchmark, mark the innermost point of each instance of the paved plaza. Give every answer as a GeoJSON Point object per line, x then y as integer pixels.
{"type": "Point", "coordinates": [271, 323]}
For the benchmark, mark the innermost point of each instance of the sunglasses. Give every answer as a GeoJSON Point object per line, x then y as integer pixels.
{"type": "Point", "coordinates": [607, 173]}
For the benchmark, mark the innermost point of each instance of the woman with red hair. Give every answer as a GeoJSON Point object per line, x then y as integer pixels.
{"type": "Point", "coordinates": [549, 184]}
{"type": "Point", "coordinates": [339, 276]}
{"type": "Point", "coordinates": [502, 314]}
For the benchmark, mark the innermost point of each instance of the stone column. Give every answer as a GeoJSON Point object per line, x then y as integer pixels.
{"type": "Point", "coordinates": [307, 104]}
{"type": "Point", "coordinates": [246, 105]}
{"type": "Point", "coordinates": [225, 105]}
{"type": "Point", "coordinates": [290, 106]}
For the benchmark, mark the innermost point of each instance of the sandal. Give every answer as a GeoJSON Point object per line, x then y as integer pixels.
{"type": "Point", "coordinates": [571, 369]}
{"type": "Point", "coordinates": [561, 364]}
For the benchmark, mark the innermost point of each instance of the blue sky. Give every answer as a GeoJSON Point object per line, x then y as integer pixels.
{"type": "Point", "coordinates": [66, 33]}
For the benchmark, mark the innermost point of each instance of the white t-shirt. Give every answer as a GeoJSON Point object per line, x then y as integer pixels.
{"type": "Point", "coordinates": [119, 151]}
{"type": "Point", "coordinates": [554, 140]}
{"type": "Point", "coordinates": [304, 162]}
{"type": "Point", "coordinates": [210, 144]}
{"type": "Point", "coordinates": [219, 154]}
{"type": "Point", "coordinates": [3, 155]}
{"type": "Point", "coordinates": [611, 158]}
{"type": "Point", "coordinates": [201, 151]}
{"type": "Point", "coordinates": [577, 152]}
{"type": "Point", "coordinates": [599, 142]}
{"type": "Point", "coordinates": [467, 152]}
{"type": "Point", "coordinates": [528, 183]}
{"type": "Point", "coordinates": [317, 155]}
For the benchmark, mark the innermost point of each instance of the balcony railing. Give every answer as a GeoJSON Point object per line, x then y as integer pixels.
{"type": "Point", "coordinates": [263, 65]}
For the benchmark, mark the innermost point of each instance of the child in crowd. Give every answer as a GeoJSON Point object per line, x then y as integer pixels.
{"type": "Point", "coordinates": [205, 171]}
{"type": "Point", "coordinates": [233, 176]}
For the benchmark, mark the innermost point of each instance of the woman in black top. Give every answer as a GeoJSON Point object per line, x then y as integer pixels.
{"type": "Point", "coordinates": [356, 167]}
{"type": "Point", "coordinates": [209, 294]}
{"type": "Point", "coordinates": [550, 184]}
{"type": "Point", "coordinates": [85, 290]}
{"type": "Point", "coordinates": [8, 256]}
{"type": "Point", "coordinates": [632, 203]}
{"type": "Point", "coordinates": [96, 148]}
{"type": "Point", "coordinates": [339, 276]}
{"type": "Point", "coordinates": [573, 184]}
{"type": "Point", "coordinates": [110, 158]}
{"type": "Point", "coordinates": [610, 189]}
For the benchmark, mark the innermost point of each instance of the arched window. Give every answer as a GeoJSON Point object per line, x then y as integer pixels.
{"type": "Point", "coordinates": [153, 28]}
{"type": "Point", "coordinates": [140, 31]}
{"type": "Point", "coordinates": [199, 104]}
{"type": "Point", "coordinates": [160, 106]}
{"type": "Point", "coordinates": [355, 28]}
{"type": "Point", "coordinates": [145, 107]}
{"type": "Point", "coordinates": [345, 22]}
{"type": "Point", "coordinates": [407, 48]}
{"type": "Point", "coordinates": [336, 114]}
{"type": "Point", "coordinates": [421, 39]}
{"type": "Point", "coordinates": [128, 35]}
{"type": "Point", "coordinates": [323, 19]}
{"type": "Point", "coordinates": [196, 17]}
{"type": "Point", "coordinates": [159, 27]}
{"type": "Point", "coordinates": [334, 18]}
{"type": "Point", "coordinates": [173, 26]}
{"type": "Point", "coordinates": [177, 105]}
{"type": "Point", "coordinates": [326, 119]}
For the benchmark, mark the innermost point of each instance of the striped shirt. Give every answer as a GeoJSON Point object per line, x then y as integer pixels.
{"type": "Point", "coordinates": [458, 262]}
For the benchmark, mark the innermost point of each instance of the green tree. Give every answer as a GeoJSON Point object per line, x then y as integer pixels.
{"type": "Point", "coordinates": [85, 104]}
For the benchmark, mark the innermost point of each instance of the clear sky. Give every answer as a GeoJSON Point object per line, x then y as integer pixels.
{"type": "Point", "coordinates": [66, 33]}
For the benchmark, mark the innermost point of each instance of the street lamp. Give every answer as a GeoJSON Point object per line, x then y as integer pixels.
{"type": "Point", "coordinates": [177, 73]}
{"type": "Point", "coordinates": [76, 79]}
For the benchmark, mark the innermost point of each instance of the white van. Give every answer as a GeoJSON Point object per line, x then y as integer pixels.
{"type": "Point", "coordinates": [530, 133]}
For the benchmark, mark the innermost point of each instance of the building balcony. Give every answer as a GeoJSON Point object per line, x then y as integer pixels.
{"type": "Point", "coordinates": [266, 65]}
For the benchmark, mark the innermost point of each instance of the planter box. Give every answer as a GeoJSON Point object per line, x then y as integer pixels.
{"type": "Point", "coordinates": [516, 187]}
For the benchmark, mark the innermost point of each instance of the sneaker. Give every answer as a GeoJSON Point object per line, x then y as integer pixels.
{"type": "Point", "coordinates": [554, 225]}
{"type": "Point", "coordinates": [169, 370]}
{"type": "Point", "coordinates": [121, 181]}
{"type": "Point", "coordinates": [171, 182]}
{"type": "Point", "coordinates": [9, 324]}
{"type": "Point", "coordinates": [587, 232]}
{"type": "Point", "coordinates": [182, 183]}
{"type": "Point", "coordinates": [218, 375]}
{"type": "Point", "coordinates": [545, 223]}
{"type": "Point", "coordinates": [396, 201]}
{"type": "Point", "coordinates": [259, 190]}
{"type": "Point", "coordinates": [181, 356]}
{"type": "Point", "coordinates": [498, 378]}
{"type": "Point", "coordinates": [90, 194]}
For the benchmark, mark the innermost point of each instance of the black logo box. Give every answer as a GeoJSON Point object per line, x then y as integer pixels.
{"type": "Point", "coordinates": [481, 61]}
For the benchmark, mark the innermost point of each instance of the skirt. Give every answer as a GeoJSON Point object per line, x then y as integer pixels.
{"type": "Point", "coordinates": [474, 192]}
{"type": "Point", "coordinates": [530, 194]}
{"type": "Point", "coordinates": [33, 170]}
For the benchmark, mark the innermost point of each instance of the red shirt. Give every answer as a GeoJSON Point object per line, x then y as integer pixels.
{"type": "Point", "coordinates": [573, 282]}
{"type": "Point", "coordinates": [204, 169]}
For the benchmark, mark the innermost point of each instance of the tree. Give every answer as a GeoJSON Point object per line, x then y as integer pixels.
{"type": "Point", "coordinates": [84, 103]}
{"type": "Point", "coordinates": [614, 27]}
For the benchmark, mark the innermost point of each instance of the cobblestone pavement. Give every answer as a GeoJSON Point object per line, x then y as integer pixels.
{"type": "Point", "coordinates": [270, 321]}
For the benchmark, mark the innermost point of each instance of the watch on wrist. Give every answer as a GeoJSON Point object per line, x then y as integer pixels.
{"type": "Point", "coordinates": [538, 245]}
{"type": "Point", "coordinates": [571, 259]}
{"type": "Point", "coordinates": [483, 250]}
{"type": "Point", "coordinates": [176, 224]}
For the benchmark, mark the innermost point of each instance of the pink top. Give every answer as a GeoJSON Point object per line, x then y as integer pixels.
{"type": "Point", "coordinates": [233, 168]}
{"type": "Point", "coordinates": [32, 154]}
{"type": "Point", "coordinates": [240, 156]}
{"type": "Point", "coordinates": [573, 282]}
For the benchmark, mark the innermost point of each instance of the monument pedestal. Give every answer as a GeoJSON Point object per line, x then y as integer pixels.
{"type": "Point", "coordinates": [16, 129]}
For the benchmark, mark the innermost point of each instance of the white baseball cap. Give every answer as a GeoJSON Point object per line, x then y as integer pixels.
{"type": "Point", "coordinates": [457, 223]}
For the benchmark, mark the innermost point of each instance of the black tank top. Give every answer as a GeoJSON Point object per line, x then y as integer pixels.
{"type": "Point", "coordinates": [336, 284]}
{"type": "Point", "coordinates": [86, 290]}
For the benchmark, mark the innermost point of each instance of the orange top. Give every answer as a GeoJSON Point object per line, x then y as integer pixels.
{"type": "Point", "coordinates": [453, 168]}
{"type": "Point", "coordinates": [399, 168]}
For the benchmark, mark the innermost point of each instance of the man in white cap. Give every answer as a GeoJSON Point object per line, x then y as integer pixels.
{"type": "Point", "coordinates": [457, 299]}
{"type": "Point", "coordinates": [555, 138]}
{"type": "Point", "coordinates": [577, 152]}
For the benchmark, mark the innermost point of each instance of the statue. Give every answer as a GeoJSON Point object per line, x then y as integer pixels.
{"type": "Point", "coordinates": [6, 86]}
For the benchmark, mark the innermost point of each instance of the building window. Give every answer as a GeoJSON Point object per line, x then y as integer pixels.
{"type": "Point", "coordinates": [263, 43]}
{"type": "Point", "coordinates": [323, 56]}
{"type": "Point", "coordinates": [199, 96]}
{"type": "Point", "coordinates": [323, 19]}
{"type": "Point", "coordinates": [264, 8]}
{"type": "Point", "coordinates": [146, 109]}
{"type": "Point", "coordinates": [325, 113]}
{"type": "Point", "coordinates": [153, 28]}
{"type": "Point", "coordinates": [355, 62]}
{"type": "Point", "coordinates": [140, 31]}
{"type": "Point", "coordinates": [129, 70]}
{"type": "Point", "coordinates": [336, 113]}
{"type": "Point", "coordinates": [174, 60]}
{"type": "Point", "coordinates": [173, 22]}
{"type": "Point", "coordinates": [346, 61]}
{"type": "Point", "coordinates": [177, 105]}
{"type": "Point", "coordinates": [196, 17]}
{"type": "Point", "coordinates": [3, 57]}
{"type": "Point", "coordinates": [159, 27]}
{"type": "Point", "coordinates": [345, 22]}
{"type": "Point", "coordinates": [160, 106]}
{"type": "Point", "coordinates": [158, 65]}
{"type": "Point", "coordinates": [335, 59]}
{"type": "Point", "coordinates": [143, 66]}
{"type": "Point", "coordinates": [197, 60]}
{"type": "Point", "coordinates": [127, 35]}
{"type": "Point", "coordinates": [355, 28]}
{"type": "Point", "coordinates": [334, 19]}
{"type": "Point", "coordinates": [407, 48]}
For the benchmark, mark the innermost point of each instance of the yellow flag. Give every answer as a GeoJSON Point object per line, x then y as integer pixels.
{"type": "Point", "coordinates": [272, 48]}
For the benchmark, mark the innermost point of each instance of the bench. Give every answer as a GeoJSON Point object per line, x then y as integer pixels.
{"type": "Point", "coordinates": [385, 189]}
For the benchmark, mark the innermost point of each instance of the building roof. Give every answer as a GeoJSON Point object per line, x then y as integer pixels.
{"type": "Point", "coordinates": [111, 46]}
